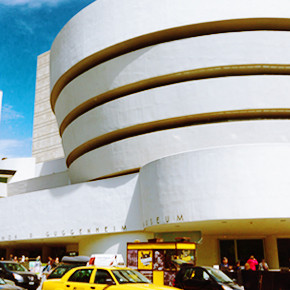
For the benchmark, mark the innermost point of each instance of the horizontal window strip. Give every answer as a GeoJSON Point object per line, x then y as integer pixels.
{"type": "Point", "coordinates": [173, 123]}
{"type": "Point", "coordinates": [196, 74]}
{"type": "Point", "coordinates": [6, 171]}
{"type": "Point", "coordinates": [116, 174]}
{"type": "Point", "coordinates": [166, 35]}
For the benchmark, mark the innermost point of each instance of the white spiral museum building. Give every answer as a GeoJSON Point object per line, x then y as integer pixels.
{"type": "Point", "coordinates": [175, 120]}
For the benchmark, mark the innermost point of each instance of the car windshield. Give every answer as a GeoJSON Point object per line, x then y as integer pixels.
{"type": "Point", "coordinates": [129, 276]}
{"type": "Point", "coordinates": [219, 276]}
{"type": "Point", "coordinates": [14, 267]}
{"type": "Point", "coordinates": [60, 271]}
{"type": "Point", "coordinates": [2, 282]}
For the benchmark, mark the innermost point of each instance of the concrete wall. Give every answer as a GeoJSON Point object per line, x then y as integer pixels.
{"type": "Point", "coordinates": [24, 167]}
{"type": "Point", "coordinates": [111, 244]}
{"type": "Point", "coordinates": [85, 30]}
{"type": "Point", "coordinates": [3, 189]}
{"type": "Point", "coordinates": [50, 167]}
{"type": "Point", "coordinates": [31, 177]}
{"type": "Point", "coordinates": [234, 182]}
{"type": "Point", "coordinates": [38, 183]}
{"type": "Point", "coordinates": [108, 206]}
{"type": "Point", "coordinates": [208, 251]}
{"type": "Point", "coordinates": [46, 143]}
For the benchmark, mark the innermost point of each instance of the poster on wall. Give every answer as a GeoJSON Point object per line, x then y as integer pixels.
{"type": "Point", "coordinates": [169, 278]}
{"type": "Point", "coordinates": [145, 259]}
{"type": "Point", "coordinates": [132, 259]}
{"type": "Point", "coordinates": [159, 260]}
{"type": "Point", "coordinates": [185, 256]}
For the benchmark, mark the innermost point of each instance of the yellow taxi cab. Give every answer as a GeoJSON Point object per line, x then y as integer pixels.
{"type": "Point", "coordinates": [96, 278]}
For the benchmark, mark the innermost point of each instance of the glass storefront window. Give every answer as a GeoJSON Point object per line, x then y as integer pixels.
{"type": "Point", "coordinates": [284, 252]}
{"type": "Point", "coordinates": [241, 250]}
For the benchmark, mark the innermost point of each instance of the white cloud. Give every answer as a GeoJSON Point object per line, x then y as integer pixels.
{"type": "Point", "coordinates": [8, 113]}
{"type": "Point", "coordinates": [11, 148]}
{"type": "Point", "coordinates": [32, 3]}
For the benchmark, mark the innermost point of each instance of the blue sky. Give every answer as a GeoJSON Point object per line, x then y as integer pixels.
{"type": "Point", "coordinates": [27, 29]}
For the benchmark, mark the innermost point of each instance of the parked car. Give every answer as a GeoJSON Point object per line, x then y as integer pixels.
{"type": "Point", "coordinates": [68, 263]}
{"type": "Point", "coordinates": [193, 277]}
{"type": "Point", "coordinates": [18, 274]}
{"type": "Point", "coordinates": [8, 286]}
{"type": "Point", "coordinates": [113, 278]}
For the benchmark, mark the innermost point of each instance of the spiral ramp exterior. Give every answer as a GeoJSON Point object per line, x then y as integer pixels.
{"type": "Point", "coordinates": [127, 91]}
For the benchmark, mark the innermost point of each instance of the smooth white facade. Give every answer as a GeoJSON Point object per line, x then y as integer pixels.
{"type": "Point", "coordinates": [226, 178]}
{"type": "Point", "coordinates": [178, 100]}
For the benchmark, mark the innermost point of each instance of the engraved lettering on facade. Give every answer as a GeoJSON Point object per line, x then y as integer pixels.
{"type": "Point", "coordinates": [180, 218]}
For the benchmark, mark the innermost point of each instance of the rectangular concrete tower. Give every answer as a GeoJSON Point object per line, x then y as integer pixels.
{"type": "Point", "coordinates": [46, 143]}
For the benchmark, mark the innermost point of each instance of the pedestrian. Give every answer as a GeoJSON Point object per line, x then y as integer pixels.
{"type": "Point", "coordinates": [238, 273]}
{"type": "Point", "coordinates": [263, 266]}
{"type": "Point", "coordinates": [224, 266]}
{"type": "Point", "coordinates": [237, 265]}
{"type": "Point", "coordinates": [26, 263]}
{"type": "Point", "coordinates": [22, 259]}
{"type": "Point", "coordinates": [47, 269]}
{"type": "Point", "coordinates": [252, 263]}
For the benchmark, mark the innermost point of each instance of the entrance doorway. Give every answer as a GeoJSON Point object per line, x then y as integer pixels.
{"type": "Point", "coordinates": [2, 253]}
{"type": "Point", "coordinates": [241, 250]}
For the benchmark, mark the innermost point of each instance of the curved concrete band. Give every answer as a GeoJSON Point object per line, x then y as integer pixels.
{"type": "Point", "coordinates": [217, 184]}
{"type": "Point", "coordinates": [171, 34]}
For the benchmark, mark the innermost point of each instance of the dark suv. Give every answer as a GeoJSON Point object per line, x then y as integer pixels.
{"type": "Point", "coordinates": [193, 277]}
{"type": "Point", "coordinates": [18, 274]}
